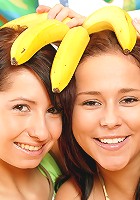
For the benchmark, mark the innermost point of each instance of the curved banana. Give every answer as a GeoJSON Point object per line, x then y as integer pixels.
{"type": "Point", "coordinates": [67, 57]}
{"type": "Point", "coordinates": [132, 30]}
{"type": "Point", "coordinates": [29, 20]}
{"type": "Point", "coordinates": [116, 19]}
{"type": "Point", "coordinates": [34, 38]}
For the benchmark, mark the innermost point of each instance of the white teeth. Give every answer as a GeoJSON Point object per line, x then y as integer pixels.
{"type": "Point", "coordinates": [28, 147]}
{"type": "Point", "coordinates": [112, 141]}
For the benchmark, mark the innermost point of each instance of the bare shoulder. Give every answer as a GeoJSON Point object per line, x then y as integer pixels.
{"type": "Point", "coordinates": [69, 190]}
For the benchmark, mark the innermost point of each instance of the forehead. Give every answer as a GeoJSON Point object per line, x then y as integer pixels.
{"type": "Point", "coordinates": [8, 75]}
{"type": "Point", "coordinates": [25, 76]}
{"type": "Point", "coordinates": [21, 78]}
{"type": "Point", "coordinates": [107, 69]}
{"type": "Point", "coordinates": [108, 62]}
{"type": "Point", "coordinates": [27, 84]}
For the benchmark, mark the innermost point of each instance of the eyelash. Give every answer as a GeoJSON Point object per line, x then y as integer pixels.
{"type": "Point", "coordinates": [54, 110]}
{"type": "Point", "coordinates": [25, 108]}
{"type": "Point", "coordinates": [129, 100]}
{"type": "Point", "coordinates": [20, 107]}
{"type": "Point", "coordinates": [92, 103]}
{"type": "Point", "coordinates": [126, 100]}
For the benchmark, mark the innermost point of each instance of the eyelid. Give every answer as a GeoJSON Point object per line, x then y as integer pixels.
{"type": "Point", "coordinates": [129, 97]}
{"type": "Point", "coordinates": [16, 107]}
{"type": "Point", "coordinates": [58, 110]}
{"type": "Point", "coordinates": [95, 101]}
{"type": "Point", "coordinates": [129, 100]}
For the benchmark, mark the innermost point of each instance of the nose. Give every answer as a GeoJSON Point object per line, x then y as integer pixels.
{"type": "Point", "coordinates": [110, 118]}
{"type": "Point", "coordinates": [39, 129]}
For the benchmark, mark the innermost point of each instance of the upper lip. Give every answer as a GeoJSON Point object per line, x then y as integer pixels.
{"type": "Point", "coordinates": [31, 144]}
{"type": "Point", "coordinates": [112, 136]}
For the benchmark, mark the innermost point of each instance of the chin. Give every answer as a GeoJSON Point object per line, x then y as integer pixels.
{"type": "Point", "coordinates": [115, 166]}
{"type": "Point", "coordinates": [28, 164]}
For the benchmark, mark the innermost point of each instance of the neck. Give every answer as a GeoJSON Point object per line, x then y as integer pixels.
{"type": "Point", "coordinates": [22, 183]}
{"type": "Point", "coordinates": [12, 177]}
{"type": "Point", "coordinates": [123, 183]}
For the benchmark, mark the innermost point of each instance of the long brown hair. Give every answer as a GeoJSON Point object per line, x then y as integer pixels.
{"type": "Point", "coordinates": [80, 165]}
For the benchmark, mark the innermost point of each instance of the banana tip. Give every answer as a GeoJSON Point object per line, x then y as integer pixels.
{"type": "Point", "coordinates": [13, 61]}
{"type": "Point", "coordinates": [126, 51]}
{"type": "Point", "coordinates": [56, 90]}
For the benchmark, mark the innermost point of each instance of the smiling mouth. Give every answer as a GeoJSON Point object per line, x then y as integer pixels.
{"type": "Point", "coordinates": [111, 140]}
{"type": "Point", "coordinates": [28, 147]}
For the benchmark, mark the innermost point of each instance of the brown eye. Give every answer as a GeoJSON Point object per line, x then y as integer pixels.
{"type": "Point", "coordinates": [21, 108]}
{"type": "Point", "coordinates": [92, 103]}
{"type": "Point", "coordinates": [54, 110]}
{"type": "Point", "coordinates": [129, 100]}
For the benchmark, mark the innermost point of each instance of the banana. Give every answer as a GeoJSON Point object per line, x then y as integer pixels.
{"type": "Point", "coordinates": [115, 19]}
{"type": "Point", "coordinates": [67, 57]}
{"type": "Point", "coordinates": [29, 20]}
{"type": "Point", "coordinates": [34, 38]}
{"type": "Point", "coordinates": [133, 32]}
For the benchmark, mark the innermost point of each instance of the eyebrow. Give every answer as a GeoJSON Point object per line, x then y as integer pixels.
{"type": "Point", "coordinates": [89, 93]}
{"type": "Point", "coordinates": [23, 99]}
{"type": "Point", "coordinates": [123, 90]}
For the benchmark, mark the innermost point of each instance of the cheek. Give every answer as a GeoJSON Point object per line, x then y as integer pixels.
{"type": "Point", "coordinates": [82, 122]}
{"type": "Point", "coordinates": [132, 118]}
{"type": "Point", "coordinates": [11, 126]}
{"type": "Point", "coordinates": [82, 129]}
{"type": "Point", "coordinates": [55, 128]}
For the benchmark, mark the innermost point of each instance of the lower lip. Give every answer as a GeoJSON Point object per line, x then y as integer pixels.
{"type": "Point", "coordinates": [31, 153]}
{"type": "Point", "coordinates": [112, 147]}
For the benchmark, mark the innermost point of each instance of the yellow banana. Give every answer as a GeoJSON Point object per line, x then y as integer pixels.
{"type": "Point", "coordinates": [67, 57]}
{"type": "Point", "coordinates": [116, 19]}
{"type": "Point", "coordinates": [34, 38]}
{"type": "Point", "coordinates": [132, 30]}
{"type": "Point", "coordinates": [29, 20]}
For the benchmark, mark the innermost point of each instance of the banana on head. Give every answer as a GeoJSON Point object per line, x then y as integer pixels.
{"type": "Point", "coordinates": [107, 18]}
{"type": "Point", "coordinates": [116, 19]}
{"type": "Point", "coordinates": [67, 57]}
{"type": "Point", "coordinates": [29, 20]}
{"type": "Point", "coordinates": [36, 37]}
{"type": "Point", "coordinates": [41, 32]}
{"type": "Point", "coordinates": [132, 31]}
{"type": "Point", "coordinates": [26, 20]}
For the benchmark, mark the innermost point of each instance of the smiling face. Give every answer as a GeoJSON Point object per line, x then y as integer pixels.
{"type": "Point", "coordinates": [106, 115]}
{"type": "Point", "coordinates": [29, 123]}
